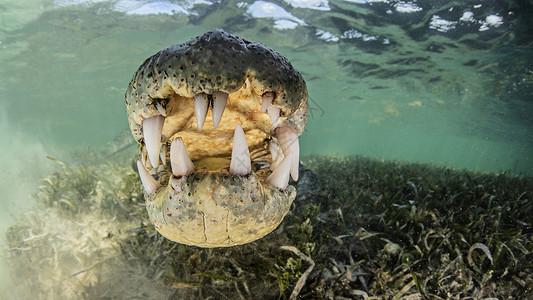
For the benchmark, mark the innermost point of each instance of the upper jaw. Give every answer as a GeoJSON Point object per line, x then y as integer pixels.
{"type": "Point", "coordinates": [215, 61]}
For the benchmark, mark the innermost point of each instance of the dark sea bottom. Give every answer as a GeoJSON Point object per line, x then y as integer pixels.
{"type": "Point", "coordinates": [360, 228]}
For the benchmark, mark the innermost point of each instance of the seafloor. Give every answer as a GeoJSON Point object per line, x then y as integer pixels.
{"type": "Point", "coordinates": [374, 230]}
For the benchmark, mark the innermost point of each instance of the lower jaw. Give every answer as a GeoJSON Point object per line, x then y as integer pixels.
{"type": "Point", "coordinates": [207, 203]}
{"type": "Point", "coordinates": [216, 209]}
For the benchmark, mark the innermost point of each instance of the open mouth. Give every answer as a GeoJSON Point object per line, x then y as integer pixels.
{"type": "Point", "coordinates": [241, 136]}
{"type": "Point", "coordinates": [217, 120]}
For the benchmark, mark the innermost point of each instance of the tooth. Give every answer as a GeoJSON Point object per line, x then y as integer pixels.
{"type": "Point", "coordinates": [277, 156]}
{"type": "Point", "coordinates": [288, 140]}
{"type": "Point", "coordinates": [201, 103]}
{"type": "Point", "coordinates": [219, 104]}
{"type": "Point", "coordinates": [161, 109]}
{"type": "Point", "coordinates": [149, 183]}
{"type": "Point", "coordinates": [152, 128]}
{"type": "Point", "coordinates": [267, 100]}
{"type": "Point", "coordinates": [280, 177]}
{"type": "Point", "coordinates": [180, 162]}
{"type": "Point", "coordinates": [273, 113]}
{"type": "Point", "coordinates": [240, 155]}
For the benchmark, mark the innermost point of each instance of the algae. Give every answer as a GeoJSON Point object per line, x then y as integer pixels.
{"type": "Point", "coordinates": [375, 230]}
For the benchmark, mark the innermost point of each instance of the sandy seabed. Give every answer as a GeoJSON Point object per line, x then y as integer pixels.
{"type": "Point", "coordinates": [360, 229]}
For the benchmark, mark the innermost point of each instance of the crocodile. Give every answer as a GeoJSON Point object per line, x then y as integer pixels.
{"type": "Point", "coordinates": [218, 120]}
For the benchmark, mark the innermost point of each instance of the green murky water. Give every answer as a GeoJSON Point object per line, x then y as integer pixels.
{"type": "Point", "coordinates": [419, 81]}
{"type": "Point", "coordinates": [401, 80]}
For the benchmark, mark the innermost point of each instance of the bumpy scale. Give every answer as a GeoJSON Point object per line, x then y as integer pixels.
{"type": "Point", "coordinates": [226, 113]}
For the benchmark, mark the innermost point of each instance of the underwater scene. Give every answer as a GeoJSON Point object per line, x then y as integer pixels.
{"type": "Point", "coordinates": [364, 149]}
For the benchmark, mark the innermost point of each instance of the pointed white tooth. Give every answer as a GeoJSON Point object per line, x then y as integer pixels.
{"type": "Point", "coordinates": [201, 103]}
{"type": "Point", "coordinates": [161, 109]}
{"type": "Point", "coordinates": [267, 100]}
{"type": "Point", "coordinates": [280, 177]}
{"type": "Point", "coordinates": [273, 113]}
{"type": "Point", "coordinates": [219, 104]}
{"type": "Point", "coordinates": [149, 183]}
{"type": "Point", "coordinates": [179, 159]}
{"type": "Point", "coordinates": [152, 128]}
{"type": "Point", "coordinates": [277, 156]}
{"type": "Point", "coordinates": [288, 140]}
{"type": "Point", "coordinates": [240, 155]}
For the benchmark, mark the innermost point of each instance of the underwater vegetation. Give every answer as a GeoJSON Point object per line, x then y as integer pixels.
{"type": "Point", "coordinates": [360, 229]}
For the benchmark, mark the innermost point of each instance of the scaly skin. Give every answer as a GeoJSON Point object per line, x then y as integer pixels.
{"type": "Point", "coordinates": [211, 207]}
